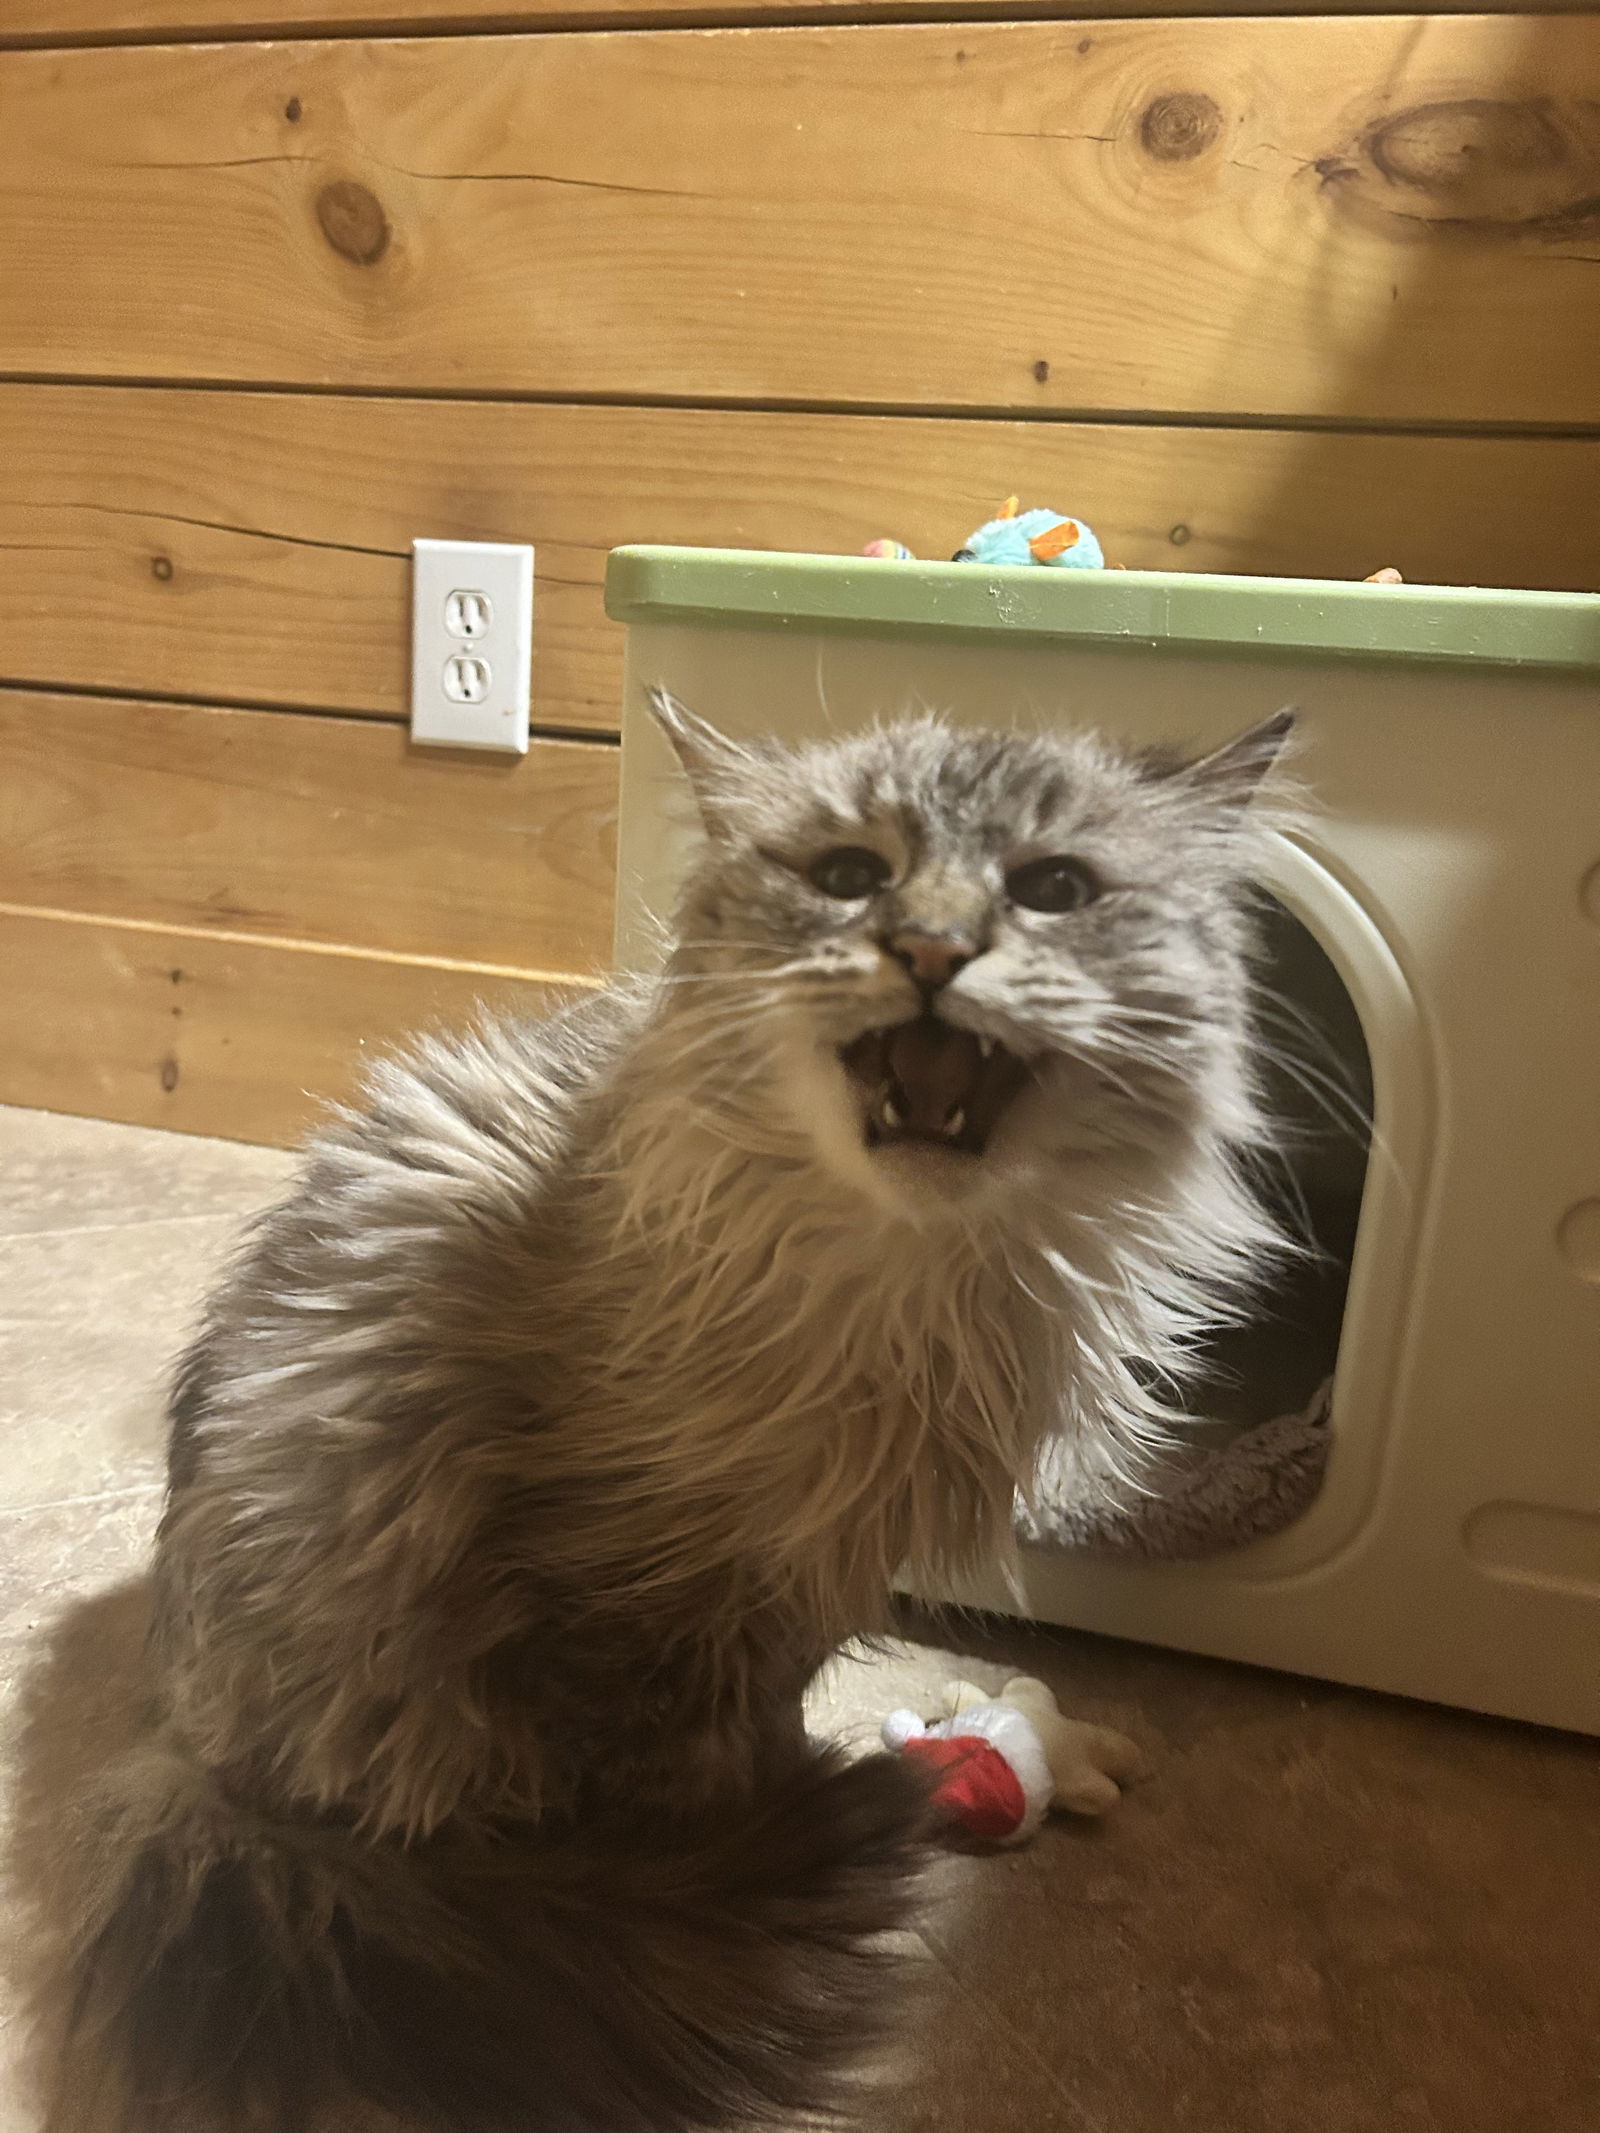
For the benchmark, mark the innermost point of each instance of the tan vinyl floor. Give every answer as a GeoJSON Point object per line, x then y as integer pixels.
{"type": "Point", "coordinates": [1324, 1912]}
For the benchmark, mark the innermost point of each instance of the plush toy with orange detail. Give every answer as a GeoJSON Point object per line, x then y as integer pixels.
{"type": "Point", "coordinates": [1039, 536]}
{"type": "Point", "coordinates": [1014, 536]}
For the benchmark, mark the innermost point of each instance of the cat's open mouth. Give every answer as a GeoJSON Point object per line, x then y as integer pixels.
{"type": "Point", "coordinates": [927, 1083]}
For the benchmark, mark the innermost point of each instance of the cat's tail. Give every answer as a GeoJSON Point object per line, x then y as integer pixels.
{"type": "Point", "coordinates": [235, 1973]}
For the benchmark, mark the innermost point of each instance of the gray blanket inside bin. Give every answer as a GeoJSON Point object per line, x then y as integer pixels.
{"type": "Point", "coordinates": [1195, 1500]}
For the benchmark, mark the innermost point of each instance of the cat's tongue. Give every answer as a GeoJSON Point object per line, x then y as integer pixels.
{"type": "Point", "coordinates": [936, 1069]}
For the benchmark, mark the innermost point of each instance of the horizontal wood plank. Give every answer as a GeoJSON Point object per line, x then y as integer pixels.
{"type": "Point", "coordinates": [331, 831]}
{"type": "Point", "coordinates": [255, 547]}
{"type": "Point", "coordinates": [1389, 218]}
{"type": "Point", "coordinates": [247, 1040]}
{"type": "Point", "coordinates": [28, 22]}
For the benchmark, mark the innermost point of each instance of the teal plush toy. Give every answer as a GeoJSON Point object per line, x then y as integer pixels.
{"type": "Point", "coordinates": [1032, 537]}
{"type": "Point", "coordinates": [1045, 537]}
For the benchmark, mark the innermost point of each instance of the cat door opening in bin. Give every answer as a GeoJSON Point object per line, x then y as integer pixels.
{"type": "Point", "coordinates": [1251, 1458]}
{"type": "Point", "coordinates": [1318, 1080]}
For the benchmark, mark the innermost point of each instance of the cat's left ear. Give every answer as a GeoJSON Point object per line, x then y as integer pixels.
{"type": "Point", "coordinates": [711, 762]}
{"type": "Point", "coordinates": [1231, 774]}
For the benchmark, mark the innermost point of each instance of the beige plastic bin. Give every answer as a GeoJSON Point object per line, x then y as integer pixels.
{"type": "Point", "coordinates": [1453, 880]}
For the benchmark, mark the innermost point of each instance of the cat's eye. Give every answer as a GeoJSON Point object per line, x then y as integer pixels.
{"type": "Point", "coordinates": [850, 873]}
{"type": "Point", "coordinates": [1052, 885]}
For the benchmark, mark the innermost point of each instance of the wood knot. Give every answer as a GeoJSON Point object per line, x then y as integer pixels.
{"type": "Point", "coordinates": [169, 1073]}
{"type": "Point", "coordinates": [1176, 128]}
{"type": "Point", "coordinates": [1480, 166]}
{"type": "Point", "coordinates": [1456, 147]}
{"type": "Point", "coordinates": [353, 222]}
{"type": "Point", "coordinates": [161, 567]}
{"type": "Point", "coordinates": [291, 111]}
{"type": "Point", "coordinates": [1041, 371]}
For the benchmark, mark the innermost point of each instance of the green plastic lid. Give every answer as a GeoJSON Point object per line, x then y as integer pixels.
{"type": "Point", "coordinates": [1151, 609]}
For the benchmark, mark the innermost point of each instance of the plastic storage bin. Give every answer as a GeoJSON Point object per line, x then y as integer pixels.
{"type": "Point", "coordinates": [1452, 881]}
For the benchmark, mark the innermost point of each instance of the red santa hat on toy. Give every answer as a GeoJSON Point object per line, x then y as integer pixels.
{"type": "Point", "coordinates": [989, 1774]}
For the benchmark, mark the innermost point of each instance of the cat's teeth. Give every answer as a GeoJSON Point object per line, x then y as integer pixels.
{"type": "Point", "coordinates": [954, 1124]}
{"type": "Point", "coordinates": [985, 1047]}
{"type": "Point", "coordinates": [890, 1112]}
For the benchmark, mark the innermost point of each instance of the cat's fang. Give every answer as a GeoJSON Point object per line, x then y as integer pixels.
{"type": "Point", "coordinates": [890, 1112]}
{"type": "Point", "coordinates": [955, 1124]}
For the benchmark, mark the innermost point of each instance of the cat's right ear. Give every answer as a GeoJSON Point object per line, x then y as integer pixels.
{"type": "Point", "coordinates": [1231, 773]}
{"type": "Point", "coordinates": [711, 762]}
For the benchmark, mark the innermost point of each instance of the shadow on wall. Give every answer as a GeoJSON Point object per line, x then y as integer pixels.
{"type": "Point", "coordinates": [1480, 192]}
{"type": "Point", "coordinates": [1372, 284]}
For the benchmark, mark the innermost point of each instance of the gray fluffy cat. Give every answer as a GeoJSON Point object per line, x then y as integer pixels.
{"type": "Point", "coordinates": [596, 1382]}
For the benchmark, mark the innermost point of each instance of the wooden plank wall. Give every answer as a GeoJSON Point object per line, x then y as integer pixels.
{"type": "Point", "coordinates": [1254, 293]}
{"type": "Point", "coordinates": [65, 23]}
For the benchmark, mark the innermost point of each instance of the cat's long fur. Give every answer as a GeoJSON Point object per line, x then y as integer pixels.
{"type": "Point", "coordinates": [585, 1393]}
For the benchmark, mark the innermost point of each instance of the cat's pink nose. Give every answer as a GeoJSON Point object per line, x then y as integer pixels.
{"type": "Point", "coordinates": [932, 958]}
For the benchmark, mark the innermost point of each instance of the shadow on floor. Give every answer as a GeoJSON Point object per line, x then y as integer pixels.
{"type": "Point", "coordinates": [82, 1699]}
{"type": "Point", "coordinates": [1325, 1911]}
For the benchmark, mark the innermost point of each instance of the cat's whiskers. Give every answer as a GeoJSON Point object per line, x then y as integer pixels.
{"type": "Point", "coordinates": [1330, 1090]}
{"type": "Point", "coordinates": [1096, 1063]}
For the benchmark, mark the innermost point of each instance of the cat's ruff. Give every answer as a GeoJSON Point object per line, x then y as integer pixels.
{"type": "Point", "coordinates": [592, 1384]}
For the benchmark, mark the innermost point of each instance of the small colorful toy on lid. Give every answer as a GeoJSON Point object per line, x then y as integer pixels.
{"type": "Point", "coordinates": [1032, 537]}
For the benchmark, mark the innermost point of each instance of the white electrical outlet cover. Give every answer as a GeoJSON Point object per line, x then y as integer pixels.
{"type": "Point", "coordinates": [471, 644]}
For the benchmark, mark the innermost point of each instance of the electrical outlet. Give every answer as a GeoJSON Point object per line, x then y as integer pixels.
{"type": "Point", "coordinates": [471, 643]}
